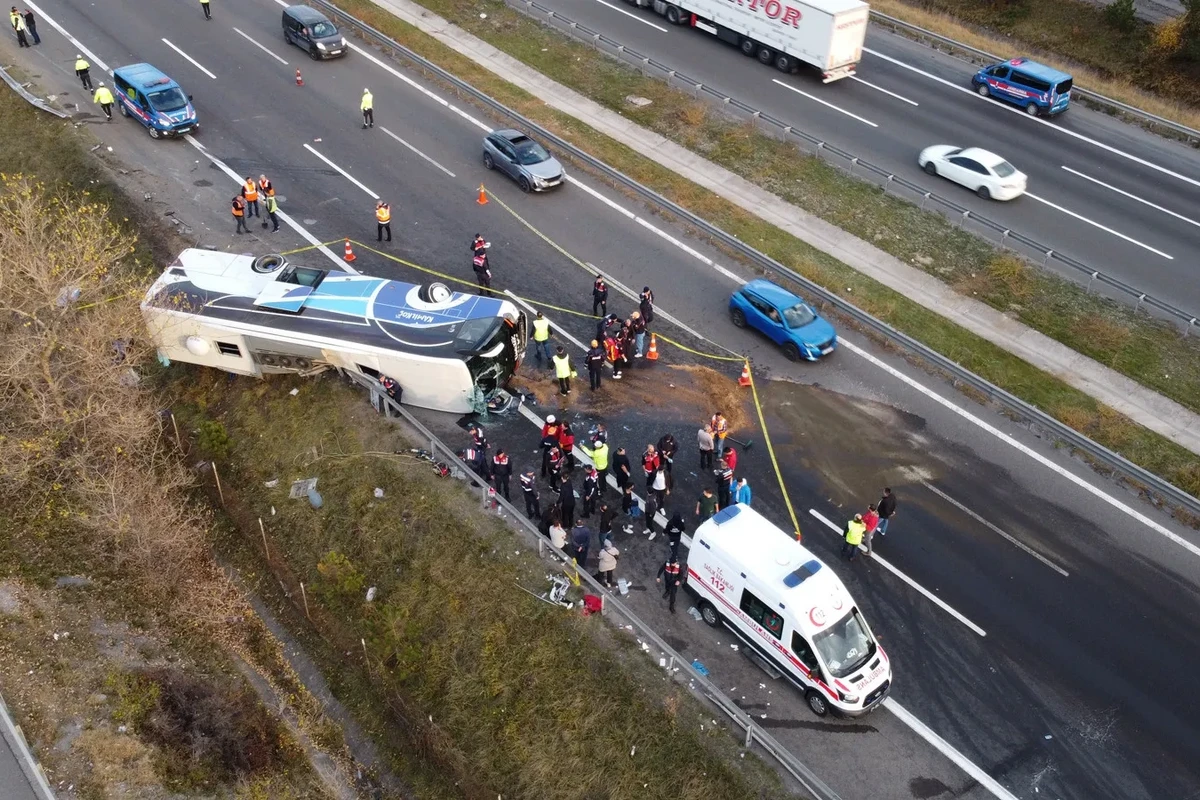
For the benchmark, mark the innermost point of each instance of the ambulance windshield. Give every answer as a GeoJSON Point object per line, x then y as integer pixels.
{"type": "Point", "coordinates": [846, 646]}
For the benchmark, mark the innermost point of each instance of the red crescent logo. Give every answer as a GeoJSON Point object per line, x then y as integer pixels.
{"type": "Point", "coordinates": [816, 616]}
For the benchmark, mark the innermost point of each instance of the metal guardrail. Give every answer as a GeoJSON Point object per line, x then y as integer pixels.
{"type": "Point", "coordinates": [698, 684]}
{"type": "Point", "coordinates": [1005, 237]}
{"type": "Point", "coordinates": [1013, 405]}
{"type": "Point", "coordinates": [31, 98]}
{"type": "Point", "coordinates": [14, 737]}
{"type": "Point", "coordinates": [983, 58]}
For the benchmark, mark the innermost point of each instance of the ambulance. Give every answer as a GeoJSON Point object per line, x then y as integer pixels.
{"type": "Point", "coordinates": [790, 608]}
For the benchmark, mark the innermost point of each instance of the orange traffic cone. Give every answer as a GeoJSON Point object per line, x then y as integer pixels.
{"type": "Point", "coordinates": [744, 380]}
{"type": "Point", "coordinates": [299, 80]}
{"type": "Point", "coordinates": [349, 255]}
{"type": "Point", "coordinates": [482, 196]}
{"type": "Point", "coordinates": [653, 354]}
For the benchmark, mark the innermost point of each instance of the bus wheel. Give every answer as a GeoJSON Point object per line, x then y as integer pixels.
{"type": "Point", "coordinates": [765, 55]}
{"type": "Point", "coordinates": [748, 46]}
{"type": "Point", "coordinates": [816, 702]}
{"type": "Point", "coordinates": [710, 614]}
{"type": "Point", "coordinates": [1032, 109]}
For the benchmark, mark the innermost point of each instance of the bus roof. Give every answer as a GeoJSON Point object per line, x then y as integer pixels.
{"type": "Point", "coordinates": [1038, 70]}
{"type": "Point", "coordinates": [804, 585]}
{"type": "Point", "coordinates": [329, 303]}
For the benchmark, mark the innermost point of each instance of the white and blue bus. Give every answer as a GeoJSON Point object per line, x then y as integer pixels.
{"type": "Point", "coordinates": [448, 351]}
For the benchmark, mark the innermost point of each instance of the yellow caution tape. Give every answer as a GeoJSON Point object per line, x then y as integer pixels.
{"type": "Point", "coordinates": [762, 423]}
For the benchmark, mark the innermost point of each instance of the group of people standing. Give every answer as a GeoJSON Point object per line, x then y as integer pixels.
{"type": "Point", "coordinates": [22, 24]}
{"type": "Point", "coordinates": [245, 203]}
{"type": "Point", "coordinates": [861, 530]}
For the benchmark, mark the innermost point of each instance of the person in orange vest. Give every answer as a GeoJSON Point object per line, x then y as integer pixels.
{"type": "Point", "coordinates": [720, 429]}
{"type": "Point", "coordinates": [250, 193]}
{"type": "Point", "coordinates": [265, 187]}
{"type": "Point", "coordinates": [239, 213]}
{"type": "Point", "coordinates": [383, 221]}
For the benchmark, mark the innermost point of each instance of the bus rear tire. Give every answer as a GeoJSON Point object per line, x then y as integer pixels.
{"type": "Point", "coordinates": [816, 702]}
{"type": "Point", "coordinates": [710, 615]}
{"type": "Point", "coordinates": [765, 55]}
{"type": "Point", "coordinates": [435, 293]}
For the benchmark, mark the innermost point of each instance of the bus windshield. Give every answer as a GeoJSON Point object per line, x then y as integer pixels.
{"type": "Point", "coordinates": [846, 646]}
{"type": "Point", "coordinates": [497, 357]}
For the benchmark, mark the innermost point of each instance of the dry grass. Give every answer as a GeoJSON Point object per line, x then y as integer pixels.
{"type": "Point", "coordinates": [1105, 334]}
{"type": "Point", "coordinates": [1093, 79]}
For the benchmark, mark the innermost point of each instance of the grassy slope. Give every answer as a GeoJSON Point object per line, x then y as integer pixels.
{"type": "Point", "coordinates": [1147, 351]}
{"type": "Point", "coordinates": [501, 693]}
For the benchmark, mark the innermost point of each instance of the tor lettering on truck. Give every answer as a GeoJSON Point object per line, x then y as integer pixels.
{"type": "Point", "coordinates": [773, 9]}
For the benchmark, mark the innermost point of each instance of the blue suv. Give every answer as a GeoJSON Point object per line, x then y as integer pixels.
{"type": "Point", "coordinates": [784, 318]}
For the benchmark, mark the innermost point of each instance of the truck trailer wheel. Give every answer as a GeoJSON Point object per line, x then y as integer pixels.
{"type": "Point", "coordinates": [784, 63]}
{"type": "Point", "coordinates": [674, 15]}
{"type": "Point", "coordinates": [765, 55]}
{"type": "Point", "coordinates": [749, 46]}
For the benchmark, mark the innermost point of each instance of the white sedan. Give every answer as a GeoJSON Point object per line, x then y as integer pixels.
{"type": "Point", "coordinates": [985, 173]}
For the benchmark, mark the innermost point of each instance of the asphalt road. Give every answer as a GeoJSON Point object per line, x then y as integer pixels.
{"type": "Point", "coordinates": [1081, 687]}
{"type": "Point", "coordinates": [1115, 197]}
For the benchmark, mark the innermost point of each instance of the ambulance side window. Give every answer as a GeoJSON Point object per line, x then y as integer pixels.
{"type": "Point", "coordinates": [758, 611]}
{"type": "Point", "coordinates": [804, 652]}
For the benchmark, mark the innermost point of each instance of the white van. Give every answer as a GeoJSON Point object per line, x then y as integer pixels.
{"type": "Point", "coordinates": [790, 608]}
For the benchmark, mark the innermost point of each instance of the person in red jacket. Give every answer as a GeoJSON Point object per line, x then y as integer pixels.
{"type": "Point", "coordinates": [731, 458]}
{"type": "Point", "coordinates": [566, 442]}
{"type": "Point", "coordinates": [650, 464]}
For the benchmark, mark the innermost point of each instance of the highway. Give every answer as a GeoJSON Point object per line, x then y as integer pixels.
{"type": "Point", "coordinates": [1109, 194]}
{"type": "Point", "coordinates": [1055, 658]}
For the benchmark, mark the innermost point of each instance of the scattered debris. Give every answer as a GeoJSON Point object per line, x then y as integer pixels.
{"type": "Point", "coordinates": [302, 487]}
{"type": "Point", "coordinates": [271, 484]}
{"type": "Point", "coordinates": [699, 667]}
{"type": "Point", "coordinates": [378, 492]}
{"type": "Point", "coordinates": [635, 100]}
{"type": "Point", "coordinates": [294, 392]}
{"type": "Point", "coordinates": [695, 612]}
{"type": "Point", "coordinates": [371, 594]}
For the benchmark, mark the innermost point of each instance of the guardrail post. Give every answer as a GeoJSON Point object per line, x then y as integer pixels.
{"type": "Point", "coordinates": [925, 197]}
{"type": "Point", "coordinates": [1138, 307]}
{"type": "Point", "coordinates": [1049, 255]}
{"type": "Point", "coordinates": [1093, 277]}
{"type": "Point", "coordinates": [888, 183]}
{"type": "Point", "coordinates": [1004, 240]}
{"type": "Point", "coordinates": [749, 733]}
{"type": "Point", "coordinates": [1188, 329]}
{"type": "Point", "coordinates": [962, 222]}
{"type": "Point", "coordinates": [853, 164]}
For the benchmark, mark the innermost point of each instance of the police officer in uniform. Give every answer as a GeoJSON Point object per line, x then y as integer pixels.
{"type": "Point", "coordinates": [669, 575]}
{"type": "Point", "coordinates": [479, 262]}
{"type": "Point", "coordinates": [533, 507]}
{"type": "Point", "coordinates": [600, 297]}
{"type": "Point", "coordinates": [501, 471]}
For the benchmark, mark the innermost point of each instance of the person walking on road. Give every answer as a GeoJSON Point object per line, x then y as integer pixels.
{"type": "Point", "coordinates": [533, 506]}
{"type": "Point", "coordinates": [383, 221]}
{"type": "Point", "coordinates": [608, 562]}
{"type": "Point", "coordinates": [481, 264]}
{"type": "Point", "coordinates": [704, 441]}
{"type": "Point", "coordinates": [855, 530]}
{"type": "Point", "coordinates": [272, 207]}
{"type": "Point", "coordinates": [541, 339]}
{"type": "Point", "coordinates": [670, 577]}
{"type": "Point", "coordinates": [887, 510]}
{"type": "Point", "coordinates": [83, 72]}
{"type": "Point", "coordinates": [562, 370]}
{"type": "Point", "coordinates": [600, 297]}
{"type": "Point", "coordinates": [595, 364]}
{"type": "Point", "coordinates": [31, 26]}
{"type": "Point", "coordinates": [871, 521]}
{"type": "Point", "coordinates": [250, 195]}
{"type": "Point", "coordinates": [707, 506]}
{"type": "Point", "coordinates": [501, 472]}
{"type": "Point", "coordinates": [239, 214]}
{"type": "Point", "coordinates": [367, 106]}
{"type": "Point", "coordinates": [676, 528]}
{"type": "Point", "coordinates": [207, 11]}
{"type": "Point", "coordinates": [104, 97]}
{"type": "Point", "coordinates": [742, 494]}
{"type": "Point", "coordinates": [581, 542]}
{"type": "Point", "coordinates": [18, 26]}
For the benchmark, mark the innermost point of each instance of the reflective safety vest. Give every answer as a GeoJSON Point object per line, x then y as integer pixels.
{"type": "Point", "coordinates": [103, 96]}
{"type": "Point", "coordinates": [17, 22]}
{"type": "Point", "coordinates": [562, 367]}
{"type": "Point", "coordinates": [541, 330]}
{"type": "Point", "coordinates": [671, 568]}
{"type": "Point", "coordinates": [383, 213]}
{"type": "Point", "coordinates": [600, 456]}
{"type": "Point", "coordinates": [854, 533]}
{"type": "Point", "coordinates": [266, 187]}
{"type": "Point", "coordinates": [720, 426]}
{"type": "Point", "coordinates": [368, 101]}
{"type": "Point", "coordinates": [238, 207]}
{"type": "Point", "coordinates": [81, 64]}
{"type": "Point", "coordinates": [249, 191]}
{"type": "Point", "coordinates": [272, 204]}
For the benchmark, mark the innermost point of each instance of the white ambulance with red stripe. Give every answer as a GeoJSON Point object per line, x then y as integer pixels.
{"type": "Point", "coordinates": [788, 606]}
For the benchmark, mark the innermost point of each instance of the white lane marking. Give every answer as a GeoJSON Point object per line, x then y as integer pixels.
{"type": "Point", "coordinates": [885, 91]}
{"type": "Point", "coordinates": [995, 529]}
{"type": "Point", "coordinates": [658, 231]}
{"type": "Point", "coordinates": [945, 748]}
{"type": "Point", "coordinates": [825, 103]}
{"type": "Point", "coordinates": [415, 150]}
{"type": "Point", "coordinates": [1110, 187]}
{"type": "Point", "coordinates": [246, 36]}
{"type": "Point", "coordinates": [1017, 110]}
{"type": "Point", "coordinates": [937, 601]}
{"type": "Point", "coordinates": [1095, 224]}
{"type": "Point", "coordinates": [1038, 457]}
{"type": "Point", "coordinates": [308, 237]}
{"type": "Point", "coordinates": [343, 172]}
{"type": "Point", "coordinates": [95, 59]}
{"type": "Point", "coordinates": [195, 63]}
{"type": "Point", "coordinates": [632, 16]}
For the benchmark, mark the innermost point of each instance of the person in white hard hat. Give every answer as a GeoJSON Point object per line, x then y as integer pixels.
{"type": "Point", "coordinates": [550, 433]}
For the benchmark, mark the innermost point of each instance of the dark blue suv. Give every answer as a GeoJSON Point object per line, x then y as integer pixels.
{"type": "Point", "coordinates": [784, 318]}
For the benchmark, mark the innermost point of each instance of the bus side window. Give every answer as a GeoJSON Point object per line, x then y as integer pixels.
{"type": "Point", "coordinates": [760, 613]}
{"type": "Point", "coordinates": [804, 653]}
{"type": "Point", "coordinates": [374, 373]}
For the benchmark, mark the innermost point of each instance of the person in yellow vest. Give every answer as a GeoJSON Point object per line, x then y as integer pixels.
{"type": "Point", "coordinates": [383, 221]}
{"type": "Point", "coordinates": [250, 195]}
{"type": "Point", "coordinates": [599, 455]}
{"type": "Point", "coordinates": [18, 25]}
{"type": "Point", "coordinates": [207, 10]}
{"type": "Point", "coordinates": [82, 68]}
{"type": "Point", "coordinates": [104, 97]}
{"type": "Point", "coordinates": [272, 206]}
{"type": "Point", "coordinates": [855, 530]}
{"type": "Point", "coordinates": [367, 106]}
{"type": "Point", "coordinates": [562, 370]}
{"type": "Point", "coordinates": [541, 338]}
{"type": "Point", "coordinates": [720, 429]}
{"type": "Point", "coordinates": [239, 213]}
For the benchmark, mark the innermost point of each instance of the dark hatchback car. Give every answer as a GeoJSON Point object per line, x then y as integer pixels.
{"type": "Point", "coordinates": [312, 31]}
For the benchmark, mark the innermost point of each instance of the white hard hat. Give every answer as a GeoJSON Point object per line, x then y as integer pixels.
{"type": "Point", "coordinates": [550, 418]}
{"type": "Point", "coordinates": [366, 91]}
{"type": "Point", "coordinates": [101, 83]}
